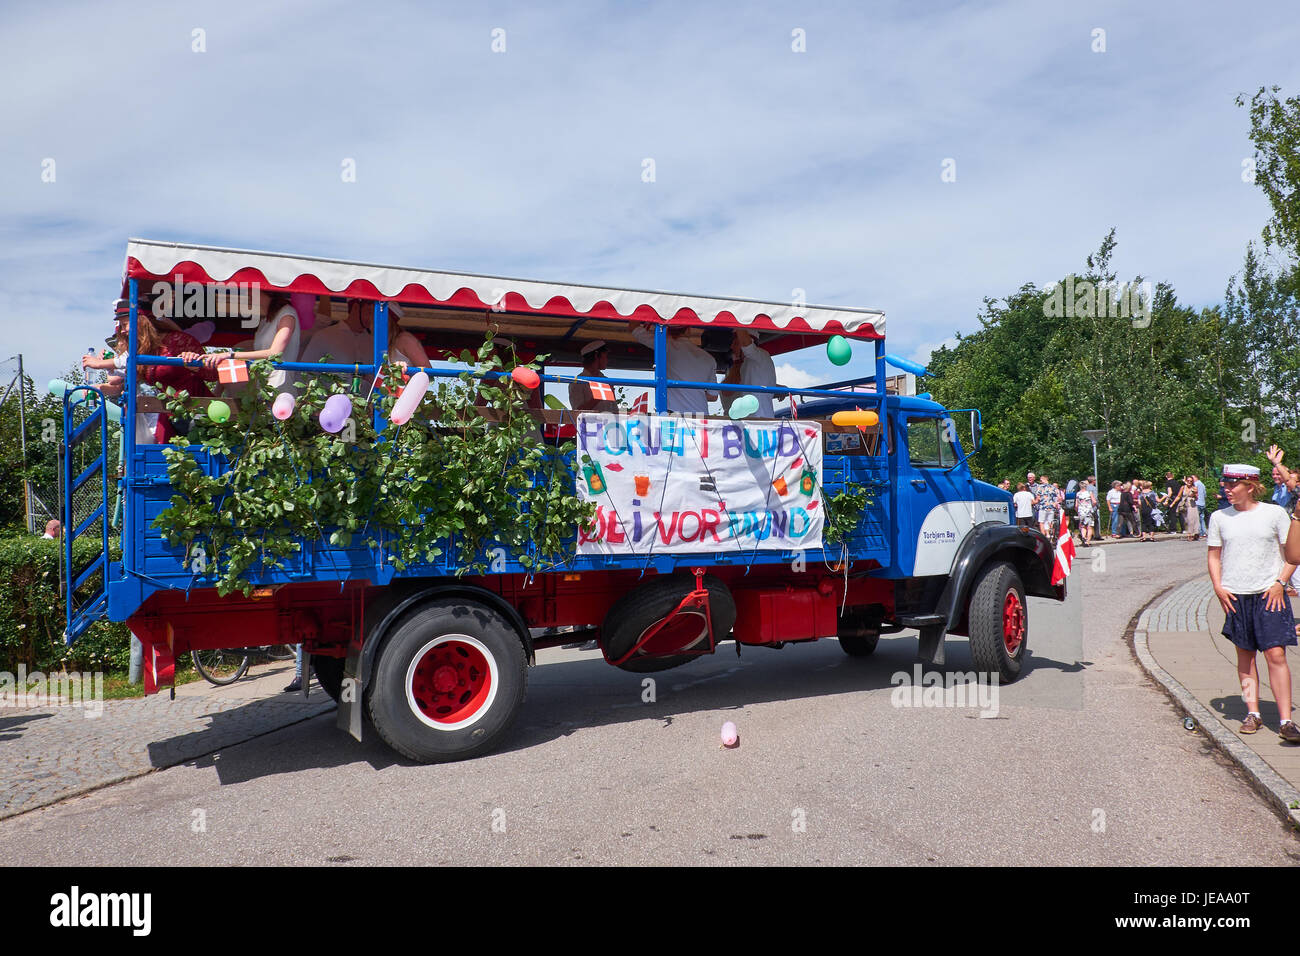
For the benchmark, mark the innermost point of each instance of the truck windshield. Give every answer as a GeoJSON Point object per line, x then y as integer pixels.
{"type": "Point", "coordinates": [930, 443]}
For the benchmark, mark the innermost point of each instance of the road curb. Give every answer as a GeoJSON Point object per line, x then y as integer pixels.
{"type": "Point", "coordinates": [1282, 795]}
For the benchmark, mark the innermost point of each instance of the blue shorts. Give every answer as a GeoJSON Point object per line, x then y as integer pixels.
{"type": "Point", "coordinates": [1254, 628]}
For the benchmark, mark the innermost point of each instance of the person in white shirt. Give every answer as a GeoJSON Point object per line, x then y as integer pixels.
{"type": "Point", "coordinates": [1023, 499]}
{"type": "Point", "coordinates": [1112, 502]}
{"type": "Point", "coordinates": [52, 529]}
{"type": "Point", "coordinates": [276, 337]}
{"type": "Point", "coordinates": [352, 341]}
{"type": "Point", "coordinates": [751, 365]}
{"type": "Point", "coordinates": [687, 362]}
{"type": "Point", "coordinates": [1249, 572]}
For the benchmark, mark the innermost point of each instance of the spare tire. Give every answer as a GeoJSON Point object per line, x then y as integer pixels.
{"type": "Point", "coordinates": [640, 610]}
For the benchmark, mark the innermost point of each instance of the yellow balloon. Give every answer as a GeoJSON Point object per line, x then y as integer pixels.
{"type": "Point", "coordinates": [855, 419]}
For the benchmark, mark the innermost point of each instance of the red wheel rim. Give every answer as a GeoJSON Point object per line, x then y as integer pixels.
{"type": "Point", "coordinates": [450, 683]}
{"type": "Point", "coordinates": [1013, 623]}
{"type": "Point", "coordinates": [684, 631]}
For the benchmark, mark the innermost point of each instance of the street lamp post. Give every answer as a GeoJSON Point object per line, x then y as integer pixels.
{"type": "Point", "coordinates": [1093, 434]}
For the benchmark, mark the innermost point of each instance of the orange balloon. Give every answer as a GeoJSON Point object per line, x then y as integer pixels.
{"type": "Point", "coordinates": [855, 419]}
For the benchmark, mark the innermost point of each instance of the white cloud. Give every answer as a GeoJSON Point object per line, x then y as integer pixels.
{"type": "Point", "coordinates": [795, 377]}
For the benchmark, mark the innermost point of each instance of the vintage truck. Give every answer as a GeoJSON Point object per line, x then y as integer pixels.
{"type": "Point", "coordinates": [706, 530]}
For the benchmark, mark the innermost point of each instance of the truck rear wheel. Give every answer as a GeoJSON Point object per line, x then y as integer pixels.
{"type": "Point", "coordinates": [448, 681]}
{"type": "Point", "coordinates": [636, 612]}
{"type": "Point", "coordinates": [999, 622]}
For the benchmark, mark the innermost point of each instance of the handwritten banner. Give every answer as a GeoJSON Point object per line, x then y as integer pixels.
{"type": "Point", "coordinates": [677, 484]}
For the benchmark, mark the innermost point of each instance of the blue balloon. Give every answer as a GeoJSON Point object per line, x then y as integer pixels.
{"type": "Point", "coordinates": [743, 407]}
{"type": "Point", "coordinates": [901, 363]}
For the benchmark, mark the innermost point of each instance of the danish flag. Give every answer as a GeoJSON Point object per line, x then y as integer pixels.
{"type": "Point", "coordinates": [642, 405]}
{"type": "Point", "coordinates": [601, 392]}
{"type": "Point", "coordinates": [1064, 556]}
{"type": "Point", "coordinates": [230, 371]}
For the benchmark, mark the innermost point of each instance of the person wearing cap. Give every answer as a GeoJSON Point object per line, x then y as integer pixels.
{"type": "Point", "coordinates": [351, 342]}
{"type": "Point", "coordinates": [751, 365]}
{"type": "Point", "coordinates": [1249, 572]}
{"type": "Point", "coordinates": [151, 340]}
{"type": "Point", "coordinates": [595, 359]}
{"type": "Point", "coordinates": [687, 362]}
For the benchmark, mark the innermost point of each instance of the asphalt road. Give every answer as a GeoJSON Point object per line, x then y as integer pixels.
{"type": "Point", "coordinates": [1085, 762]}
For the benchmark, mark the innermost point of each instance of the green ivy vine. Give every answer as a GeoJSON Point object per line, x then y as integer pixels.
{"type": "Point", "coordinates": [447, 475]}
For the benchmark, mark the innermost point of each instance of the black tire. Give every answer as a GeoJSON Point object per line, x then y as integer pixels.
{"type": "Point", "coordinates": [329, 672]}
{"type": "Point", "coordinates": [466, 644]}
{"type": "Point", "coordinates": [221, 667]}
{"type": "Point", "coordinates": [988, 636]}
{"type": "Point", "coordinates": [859, 645]}
{"type": "Point", "coordinates": [638, 610]}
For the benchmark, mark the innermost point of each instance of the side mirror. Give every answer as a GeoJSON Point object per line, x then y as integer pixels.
{"type": "Point", "coordinates": [976, 434]}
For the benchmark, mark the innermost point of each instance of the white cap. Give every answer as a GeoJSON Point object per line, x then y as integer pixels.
{"type": "Point", "coordinates": [1235, 472]}
{"type": "Point", "coordinates": [593, 346]}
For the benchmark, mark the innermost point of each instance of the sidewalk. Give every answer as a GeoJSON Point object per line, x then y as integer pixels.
{"type": "Point", "coordinates": [49, 753]}
{"type": "Point", "coordinates": [1179, 641]}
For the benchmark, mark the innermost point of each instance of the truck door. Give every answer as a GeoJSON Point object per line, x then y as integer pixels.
{"type": "Point", "coordinates": [934, 502]}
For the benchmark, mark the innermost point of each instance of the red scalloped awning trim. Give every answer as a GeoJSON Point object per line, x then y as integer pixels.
{"type": "Point", "coordinates": [464, 298]}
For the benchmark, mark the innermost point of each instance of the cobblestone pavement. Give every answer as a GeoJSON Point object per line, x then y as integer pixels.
{"type": "Point", "coordinates": [49, 753]}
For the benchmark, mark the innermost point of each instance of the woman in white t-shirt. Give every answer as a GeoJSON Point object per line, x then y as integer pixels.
{"type": "Point", "coordinates": [277, 336]}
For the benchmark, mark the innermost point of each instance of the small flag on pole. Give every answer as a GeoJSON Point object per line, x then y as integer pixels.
{"type": "Point", "coordinates": [601, 392]}
{"type": "Point", "coordinates": [232, 371]}
{"type": "Point", "coordinates": [1064, 556]}
{"type": "Point", "coordinates": [642, 405]}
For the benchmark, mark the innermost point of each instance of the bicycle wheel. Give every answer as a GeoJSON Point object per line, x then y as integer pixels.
{"type": "Point", "coordinates": [221, 667]}
{"type": "Point", "coordinates": [282, 652]}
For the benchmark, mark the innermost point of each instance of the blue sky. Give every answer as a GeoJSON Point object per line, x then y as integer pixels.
{"type": "Point", "coordinates": [774, 170]}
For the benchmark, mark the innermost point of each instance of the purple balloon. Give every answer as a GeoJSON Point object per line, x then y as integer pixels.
{"type": "Point", "coordinates": [337, 410]}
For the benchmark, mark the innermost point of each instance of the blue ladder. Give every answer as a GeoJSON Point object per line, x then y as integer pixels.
{"type": "Point", "coordinates": [81, 614]}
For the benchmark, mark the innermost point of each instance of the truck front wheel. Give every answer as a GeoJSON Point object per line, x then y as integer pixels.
{"type": "Point", "coordinates": [999, 622]}
{"type": "Point", "coordinates": [448, 681]}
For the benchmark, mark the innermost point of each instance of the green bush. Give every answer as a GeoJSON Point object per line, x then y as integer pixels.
{"type": "Point", "coordinates": [32, 611]}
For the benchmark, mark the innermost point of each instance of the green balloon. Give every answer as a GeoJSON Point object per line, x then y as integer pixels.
{"type": "Point", "coordinates": [218, 411]}
{"type": "Point", "coordinates": [838, 350]}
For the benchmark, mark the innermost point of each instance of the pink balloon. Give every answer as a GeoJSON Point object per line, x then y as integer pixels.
{"type": "Point", "coordinates": [337, 410]}
{"type": "Point", "coordinates": [410, 399]}
{"type": "Point", "coordinates": [730, 736]}
{"type": "Point", "coordinates": [283, 405]}
{"type": "Point", "coordinates": [304, 303]}
{"type": "Point", "coordinates": [526, 377]}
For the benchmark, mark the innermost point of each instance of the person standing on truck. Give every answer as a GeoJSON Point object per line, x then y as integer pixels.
{"type": "Point", "coordinates": [687, 362]}
{"type": "Point", "coordinates": [751, 365]}
{"type": "Point", "coordinates": [151, 341]}
{"type": "Point", "coordinates": [1023, 499]}
{"type": "Point", "coordinates": [276, 337]}
{"type": "Point", "coordinates": [595, 359]}
{"type": "Point", "coordinates": [1249, 572]}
